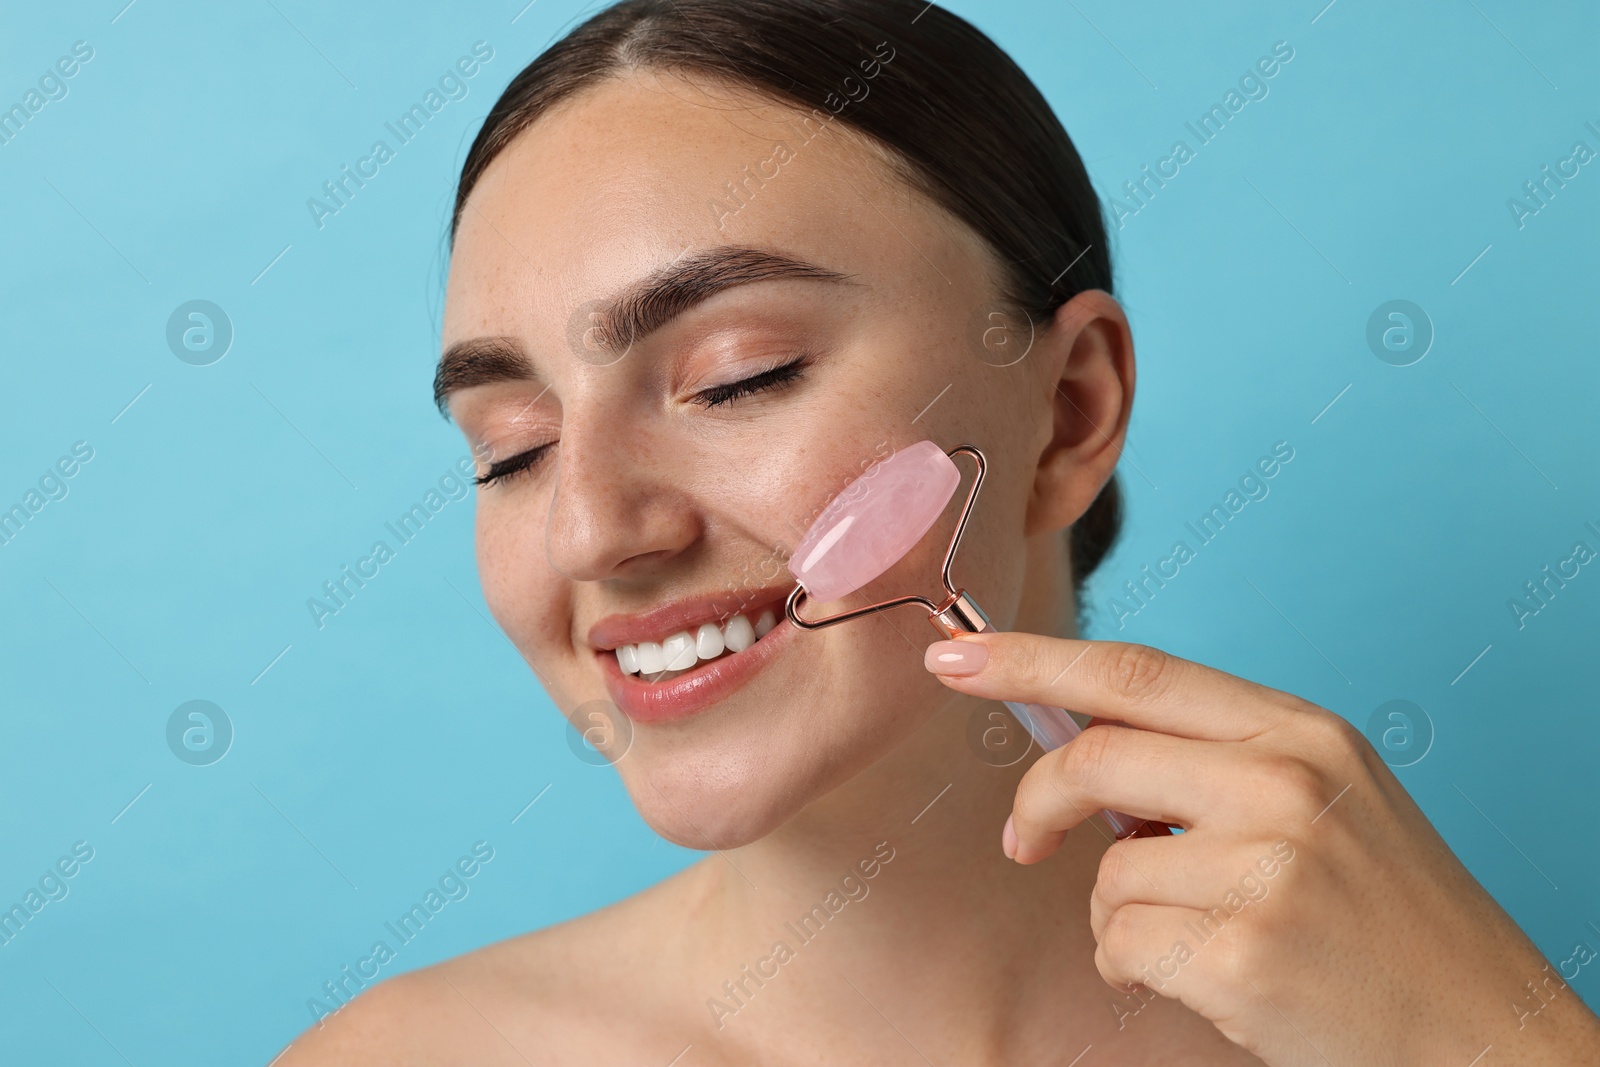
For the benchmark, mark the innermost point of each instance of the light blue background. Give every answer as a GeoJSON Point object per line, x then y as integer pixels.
{"type": "Point", "coordinates": [375, 751]}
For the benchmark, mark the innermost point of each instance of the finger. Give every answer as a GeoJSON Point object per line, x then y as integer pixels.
{"type": "Point", "coordinates": [1191, 870]}
{"type": "Point", "coordinates": [1136, 684]}
{"type": "Point", "coordinates": [1149, 775]}
{"type": "Point", "coordinates": [1149, 944]}
{"type": "Point", "coordinates": [1146, 870]}
{"type": "Point", "coordinates": [1175, 953]}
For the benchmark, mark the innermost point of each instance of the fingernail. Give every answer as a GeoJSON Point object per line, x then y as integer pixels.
{"type": "Point", "coordinates": [955, 658]}
{"type": "Point", "coordinates": [1008, 840]}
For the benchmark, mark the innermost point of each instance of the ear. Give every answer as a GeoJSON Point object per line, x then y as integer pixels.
{"type": "Point", "coordinates": [1087, 375]}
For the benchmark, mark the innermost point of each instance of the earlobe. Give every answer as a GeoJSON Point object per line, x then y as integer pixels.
{"type": "Point", "coordinates": [1088, 356]}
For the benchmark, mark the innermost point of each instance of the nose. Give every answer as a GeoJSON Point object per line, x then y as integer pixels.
{"type": "Point", "coordinates": [621, 500]}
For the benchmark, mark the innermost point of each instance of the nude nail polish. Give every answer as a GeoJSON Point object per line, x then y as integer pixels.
{"type": "Point", "coordinates": [955, 658]}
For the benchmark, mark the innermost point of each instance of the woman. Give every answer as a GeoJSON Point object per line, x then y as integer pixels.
{"type": "Point", "coordinates": [711, 259]}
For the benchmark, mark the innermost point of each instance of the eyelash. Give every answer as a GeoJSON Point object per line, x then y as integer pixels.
{"type": "Point", "coordinates": [717, 395]}
{"type": "Point", "coordinates": [775, 378]}
{"type": "Point", "coordinates": [517, 464]}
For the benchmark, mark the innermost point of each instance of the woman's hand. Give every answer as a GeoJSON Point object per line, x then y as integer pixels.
{"type": "Point", "coordinates": [1309, 910]}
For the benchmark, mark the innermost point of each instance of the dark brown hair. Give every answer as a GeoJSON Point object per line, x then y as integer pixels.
{"type": "Point", "coordinates": [964, 125]}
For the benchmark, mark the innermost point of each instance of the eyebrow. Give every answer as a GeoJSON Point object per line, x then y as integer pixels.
{"type": "Point", "coordinates": [639, 310]}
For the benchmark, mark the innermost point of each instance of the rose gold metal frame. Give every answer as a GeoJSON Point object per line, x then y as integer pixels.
{"type": "Point", "coordinates": [957, 613]}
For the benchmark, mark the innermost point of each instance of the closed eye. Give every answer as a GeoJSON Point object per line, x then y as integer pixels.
{"type": "Point", "coordinates": [517, 464]}
{"type": "Point", "coordinates": [717, 395]}
{"type": "Point", "coordinates": [768, 379]}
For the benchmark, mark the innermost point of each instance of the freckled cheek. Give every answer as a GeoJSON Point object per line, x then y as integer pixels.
{"type": "Point", "coordinates": [788, 489]}
{"type": "Point", "coordinates": [523, 593]}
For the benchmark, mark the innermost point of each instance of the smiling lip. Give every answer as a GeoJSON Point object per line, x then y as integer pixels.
{"type": "Point", "coordinates": [699, 687]}
{"type": "Point", "coordinates": [686, 614]}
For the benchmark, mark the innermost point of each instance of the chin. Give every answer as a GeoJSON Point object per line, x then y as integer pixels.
{"type": "Point", "coordinates": [711, 803]}
{"type": "Point", "coordinates": [720, 789]}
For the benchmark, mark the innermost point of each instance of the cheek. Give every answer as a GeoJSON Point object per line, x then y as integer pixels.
{"type": "Point", "coordinates": [521, 590]}
{"type": "Point", "coordinates": [846, 698]}
{"type": "Point", "coordinates": [765, 492]}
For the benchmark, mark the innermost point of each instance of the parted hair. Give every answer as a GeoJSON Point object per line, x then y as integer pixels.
{"type": "Point", "coordinates": [963, 125]}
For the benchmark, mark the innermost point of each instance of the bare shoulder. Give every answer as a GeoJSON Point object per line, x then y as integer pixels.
{"type": "Point", "coordinates": [553, 996]}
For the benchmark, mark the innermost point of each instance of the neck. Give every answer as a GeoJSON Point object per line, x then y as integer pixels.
{"type": "Point", "coordinates": [896, 881]}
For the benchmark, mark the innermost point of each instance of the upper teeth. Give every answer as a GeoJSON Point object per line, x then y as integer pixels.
{"type": "Point", "coordinates": [686, 648]}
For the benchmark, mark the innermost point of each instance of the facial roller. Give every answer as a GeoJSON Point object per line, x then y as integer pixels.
{"type": "Point", "coordinates": [870, 526]}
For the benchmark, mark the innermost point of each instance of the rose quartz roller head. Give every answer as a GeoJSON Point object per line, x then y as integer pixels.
{"type": "Point", "coordinates": [871, 526]}
{"type": "Point", "coordinates": [878, 518]}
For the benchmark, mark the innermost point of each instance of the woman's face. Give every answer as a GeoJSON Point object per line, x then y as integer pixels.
{"type": "Point", "coordinates": [663, 500]}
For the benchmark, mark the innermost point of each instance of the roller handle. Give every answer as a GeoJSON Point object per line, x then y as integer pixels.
{"type": "Point", "coordinates": [1052, 728]}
